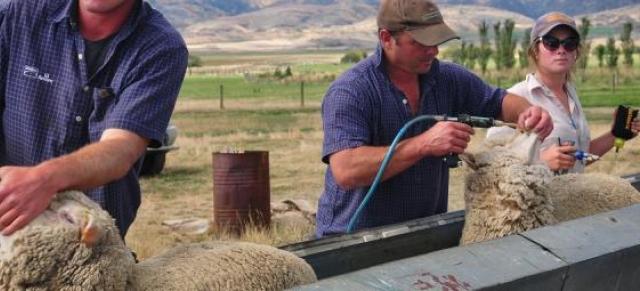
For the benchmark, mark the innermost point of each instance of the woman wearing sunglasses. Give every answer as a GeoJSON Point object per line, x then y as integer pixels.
{"type": "Point", "coordinates": [554, 48]}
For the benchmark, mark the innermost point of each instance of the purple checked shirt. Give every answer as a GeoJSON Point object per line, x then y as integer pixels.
{"type": "Point", "coordinates": [363, 108]}
{"type": "Point", "coordinates": [50, 107]}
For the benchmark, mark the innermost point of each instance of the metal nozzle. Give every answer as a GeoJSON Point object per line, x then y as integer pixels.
{"type": "Point", "coordinates": [502, 123]}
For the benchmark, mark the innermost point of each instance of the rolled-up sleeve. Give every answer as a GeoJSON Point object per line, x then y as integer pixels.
{"type": "Point", "coordinates": [345, 119]}
{"type": "Point", "coordinates": [147, 102]}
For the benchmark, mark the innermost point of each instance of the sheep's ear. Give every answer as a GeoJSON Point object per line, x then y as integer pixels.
{"type": "Point", "coordinates": [470, 160]}
{"type": "Point", "coordinates": [91, 233]}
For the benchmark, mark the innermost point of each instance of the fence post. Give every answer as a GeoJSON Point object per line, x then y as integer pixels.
{"type": "Point", "coordinates": [302, 94]}
{"type": "Point", "coordinates": [221, 96]}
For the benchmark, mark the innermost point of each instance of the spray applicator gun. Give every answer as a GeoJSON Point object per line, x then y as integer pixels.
{"type": "Point", "coordinates": [452, 160]}
{"type": "Point", "coordinates": [622, 125]}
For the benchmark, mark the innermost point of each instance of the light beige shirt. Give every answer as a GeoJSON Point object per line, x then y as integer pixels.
{"type": "Point", "coordinates": [566, 126]}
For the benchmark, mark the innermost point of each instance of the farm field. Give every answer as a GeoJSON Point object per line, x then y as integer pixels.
{"type": "Point", "coordinates": [265, 113]}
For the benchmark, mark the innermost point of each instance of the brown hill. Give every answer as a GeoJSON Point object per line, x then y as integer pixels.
{"type": "Point", "coordinates": [335, 26]}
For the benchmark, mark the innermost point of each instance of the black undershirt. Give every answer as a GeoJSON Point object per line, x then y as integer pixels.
{"type": "Point", "coordinates": [95, 53]}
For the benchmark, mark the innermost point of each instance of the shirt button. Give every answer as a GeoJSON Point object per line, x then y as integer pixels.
{"type": "Point", "coordinates": [78, 118]}
{"type": "Point", "coordinates": [80, 56]}
{"type": "Point", "coordinates": [85, 89]}
{"type": "Point", "coordinates": [404, 101]}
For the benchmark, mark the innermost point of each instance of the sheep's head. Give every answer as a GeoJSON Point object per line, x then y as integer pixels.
{"type": "Point", "coordinates": [73, 243]}
{"type": "Point", "coordinates": [504, 174]}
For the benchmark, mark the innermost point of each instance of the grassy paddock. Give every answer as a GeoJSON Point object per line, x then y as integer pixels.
{"type": "Point", "coordinates": [274, 121]}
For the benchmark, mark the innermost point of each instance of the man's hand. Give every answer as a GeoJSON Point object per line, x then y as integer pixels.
{"type": "Point", "coordinates": [559, 157]}
{"type": "Point", "coordinates": [25, 192]}
{"type": "Point", "coordinates": [537, 119]}
{"type": "Point", "coordinates": [635, 126]}
{"type": "Point", "coordinates": [444, 138]}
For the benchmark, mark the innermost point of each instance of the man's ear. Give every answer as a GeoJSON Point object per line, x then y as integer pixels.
{"type": "Point", "coordinates": [469, 159]}
{"type": "Point", "coordinates": [385, 37]}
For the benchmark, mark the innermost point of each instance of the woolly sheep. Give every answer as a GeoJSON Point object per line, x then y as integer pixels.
{"type": "Point", "coordinates": [222, 266]}
{"type": "Point", "coordinates": [507, 193]}
{"type": "Point", "coordinates": [71, 246]}
{"type": "Point", "coordinates": [75, 245]}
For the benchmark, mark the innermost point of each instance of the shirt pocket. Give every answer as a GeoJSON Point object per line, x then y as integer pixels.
{"type": "Point", "coordinates": [104, 99]}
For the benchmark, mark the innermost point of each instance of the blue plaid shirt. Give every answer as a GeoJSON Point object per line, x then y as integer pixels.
{"type": "Point", "coordinates": [50, 107]}
{"type": "Point", "coordinates": [363, 107]}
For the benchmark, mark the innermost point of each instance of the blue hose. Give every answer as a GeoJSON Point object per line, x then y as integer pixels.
{"type": "Point", "coordinates": [383, 166]}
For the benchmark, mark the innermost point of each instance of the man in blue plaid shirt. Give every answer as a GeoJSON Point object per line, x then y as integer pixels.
{"type": "Point", "coordinates": [365, 108]}
{"type": "Point", "coordinates": [85, 87]}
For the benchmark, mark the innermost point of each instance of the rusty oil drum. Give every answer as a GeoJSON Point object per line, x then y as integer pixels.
{"type": "Point", "coordinates": [241, 193]}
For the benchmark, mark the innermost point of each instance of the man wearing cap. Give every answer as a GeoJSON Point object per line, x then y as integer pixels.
{"type": "Point", "coordinates": [85, 86]}
{"type": "Point", "coordinates": [365, 108]}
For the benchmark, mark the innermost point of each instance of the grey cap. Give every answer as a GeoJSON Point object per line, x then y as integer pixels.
{"type": "Point", "coordinates": [421, 18]}
{"type": "Point", "coordinates": [549, 21]}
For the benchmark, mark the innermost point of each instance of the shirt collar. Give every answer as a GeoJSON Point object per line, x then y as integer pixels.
{"type": "Point", "coordinates": [378, 58]}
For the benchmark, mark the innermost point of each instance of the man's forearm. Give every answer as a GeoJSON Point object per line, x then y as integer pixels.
{"type": "Point", "coordinates": [358, 167]}
{"type": "Point", "coordinates": [93, 165]}
{"type": "Point", "coordinates": [512, 106]}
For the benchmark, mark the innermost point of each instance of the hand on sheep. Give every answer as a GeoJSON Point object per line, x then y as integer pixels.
{"type": "Point", "coordinates": [24, 194]}
{"type": "Point", "coordinates": [559, 157]}
{"type": "Point", "coordinates": [537, 119]}
{"type": "Point", "coordinates": [445, 138]}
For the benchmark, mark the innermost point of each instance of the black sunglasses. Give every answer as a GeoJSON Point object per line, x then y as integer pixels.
{"type": "Point", "coordinates": [552, 43]}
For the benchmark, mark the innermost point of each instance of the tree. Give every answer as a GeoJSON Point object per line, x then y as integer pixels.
{"type": "Point", "coordinates": [628, 46]}
{"type": "Point", "coordinates": [523, 57]}
{"type": "Point", "coordinates": [353, 57]}
{"type": "Point", "coordinates": [508, 44]}
{"type": "Point", "coordinates": [484, 52]}
{"type": "Point", "coordinates": [193, 61]}
{"type": "Point", "coordinates": [600, 51]}
{"type": "Point", "coordinates": [278, 73]}
{"type": "Point", "coordinates": [583, 30]}
{"type": "Point", "coordinates": [612, 53]}
{"type": "Point", "coordinates": [472, 55]}
{"type": "Point", "coordinates": [497, 56]}
{"type": "Point", "coordinates": [287, 72]}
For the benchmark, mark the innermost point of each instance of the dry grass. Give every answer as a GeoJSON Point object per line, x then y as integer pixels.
{"type": "Point", "coordinates": [293, 137]}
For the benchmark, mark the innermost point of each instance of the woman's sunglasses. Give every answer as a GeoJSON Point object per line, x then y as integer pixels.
{"type": "Point", "coordinates": [551, 43]}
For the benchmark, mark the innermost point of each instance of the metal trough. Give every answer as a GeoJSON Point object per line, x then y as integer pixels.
{"type": "Point", "coordinates": [347, 253]}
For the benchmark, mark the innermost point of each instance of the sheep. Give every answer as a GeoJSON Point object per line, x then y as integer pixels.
{"type": "Point", "coordinates": [75, 245]}
{"type": "Point", "coordinates": [222, 266]}
{"type": "Point", "coordinates": [508, 192]}
{"type": "Point", "coordinates": [504, 194]}
{"type": "Point", "coordinates": [580, 195]}
{"type": "Point", "coordinates": [71, 246]}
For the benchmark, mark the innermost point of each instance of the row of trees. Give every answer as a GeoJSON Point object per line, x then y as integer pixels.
{"type": "Point", "coordinates": [506, 55]}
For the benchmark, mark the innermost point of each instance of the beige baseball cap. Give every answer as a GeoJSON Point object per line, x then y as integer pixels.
{"type": "Point", "coordinates": [421, 18]}
{"type": "Point", "coordinates": [545, 23]}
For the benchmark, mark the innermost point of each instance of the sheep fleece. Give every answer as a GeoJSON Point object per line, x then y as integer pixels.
{"type": "Point", "coordinates": [47, 254]}
{"type": "Point", "coordinates": [222, 266]}
{"type": "Point", "coordinates": [579, 195]}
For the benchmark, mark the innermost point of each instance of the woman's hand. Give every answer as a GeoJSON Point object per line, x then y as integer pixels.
{"type": "Point", "coordinates": [559, 157]}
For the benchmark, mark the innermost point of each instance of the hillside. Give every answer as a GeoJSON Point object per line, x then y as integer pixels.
{"type": "Point", "coordinates": [272, 25]}
{"type": "Point", "coordinates": [186, 12]}
{"type": "Point", "coordinates": [294, 27]}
